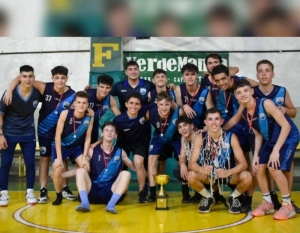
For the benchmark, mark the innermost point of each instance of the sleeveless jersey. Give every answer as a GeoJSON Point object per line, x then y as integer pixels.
{"type": "Point", "coordinates": [277, 95]}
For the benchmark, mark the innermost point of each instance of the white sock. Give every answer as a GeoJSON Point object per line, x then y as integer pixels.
{"type": "Point", "coordinates": [267, 197]}
{"type": "Point", "coordinates": [286, 198]}
{"type": "Point", "coordinates": [205, 193]}
{"type": "Point", "coordinates": [235, 193]}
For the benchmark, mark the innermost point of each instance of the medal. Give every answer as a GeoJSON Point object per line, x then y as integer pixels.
{"type": "Point", "coordinates": [226, 111]}
{"type": "Point", "coordinates": [106, 170]}
{"type": "Point", "coordinates": [74, 136]}
{"type": "Point", "coordinates": [161, 135]}
{"type": "Point", "coordinates": [56, 112]}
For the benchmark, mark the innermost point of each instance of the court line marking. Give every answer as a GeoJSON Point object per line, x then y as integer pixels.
{"type": "Point", "coordinates": [18, 218]}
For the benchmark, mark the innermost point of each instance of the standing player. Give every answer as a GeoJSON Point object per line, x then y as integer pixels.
{"type": "Point", "coordinates": [106, 182]}
{"type": "Point", "coordinates": [17, 126]}
{"type": "Point", "coordinates": [276, 139]}
{"type": "Point", "coordinates": [73, 129]}
{"type": "Point", "coordinates": [100, 101]}
{"type": "Point", "coordinates": [213, 161]}
{"type": "Point", "coordinates": [56, 96]}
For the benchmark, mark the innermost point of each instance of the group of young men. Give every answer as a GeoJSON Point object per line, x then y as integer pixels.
{"type": "Point", "coordinates": [209, 126]}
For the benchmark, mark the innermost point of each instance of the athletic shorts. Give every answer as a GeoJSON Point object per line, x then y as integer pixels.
{"type": "Point", "coordinates": [102, 194]}
{"type": "Point", "coordinates": [45, 146]}
{"type": "Point", "coordinates": [72, 153]}
{"type": "Point", "coordinates": [140, 150]}
{"type": "Point", "coordinates": [242, 131]}
{"type": "Point", "coordinates": [157, 146]}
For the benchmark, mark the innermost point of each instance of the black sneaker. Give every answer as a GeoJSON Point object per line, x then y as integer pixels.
{"type": "Point", "coordinates": [142, 197]}
{"type": "Point", "coordinates": [274, 198]}
{"type": "Point", "coordinates": [205, 204]}
{"type": "Point", "coordinates": [66, 193]}
{"type": "Point", "coordinates": [196, 198]}
{"type": "Point", "coordinates": [218, 197]}
{"type": "Point", "coordinates": [151, 198]}
{"type": "Point", "coordinates": [43, 198]}
{"type": "Point", "coordinates": [186, 200]}
{"type": "Point", "coordinates": [234, 205]}
{"type": "Point", "coordinates": [297, 209]}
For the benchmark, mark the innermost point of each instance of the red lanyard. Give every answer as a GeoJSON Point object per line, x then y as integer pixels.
{"type": "Point", "coordinates": [228, 100]}
{"type": "Point", "coordinates": [56, 112]}
{"type": "Point", "coordinates": [189, 101]}
{"type": "Point", "coordinates": [249, 117]}
{"type": "Point", "coordinates": [104, 158]}
{"type": "Point", "coordinates": [212, 150]}
{"type": "Point", "coordinates": [161, 126]}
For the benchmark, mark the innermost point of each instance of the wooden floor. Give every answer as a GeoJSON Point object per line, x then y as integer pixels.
{"type": "Point", "coordinates": [133, 217]}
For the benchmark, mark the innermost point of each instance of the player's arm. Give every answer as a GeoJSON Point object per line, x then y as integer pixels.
{"type": "Point", "coordinates": [127, 161]}
{"type": "Point", "coordinates": [235, 119]}
{"type": "Point", "coordinates": [258, 143]}
{"type": "Point", "coordinates": [289, 108]}
{"type": "Point", "coordinates": [178, 96]}
{"type": "Point", "coordinates": [149, 96]}
{"type": "Point", "coordinates": [209, 103]}
{"type": "Point", "coordinates": [184, 171]}
{"type": "Point", "coordinates": [233, 70]}
{"type": "Point", "coordinates": [3, 142]}
{"type": "Point", "coordinates": [252, 82]}
{"type": "Point", "coordinates": [59, 130]}
{"type": "Point", "coordinates": [272, 110]}
{"type": "Point", "coordinates": [193, 165]}
{"type": "Point", "coordinates": [114, 106]}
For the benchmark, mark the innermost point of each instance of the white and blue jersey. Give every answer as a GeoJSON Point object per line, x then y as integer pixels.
{"type": "Point", "coordinates": [18, 119]}
{"type": "Point", "coordinates": [52, 105]}
{"type": "Point", "coordinates": [277, 95]}
{"type": "Point", "coordinates": [214, 89]}
{"type": "Point", "coordinates": [197, 103]}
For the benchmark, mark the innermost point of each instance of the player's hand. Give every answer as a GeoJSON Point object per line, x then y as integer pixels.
{"type": "Point", "coordinates": [282, 109]}
{"type": "Point", "coordinates": [174, 105]}
{"type": "Point", "coordinates": [57, 163]}
{"type": "Point", "coordinates": [189, 111]}
{"type": "Point", "coordinates": [184, 171]}
{"type": "Point", "coordinates": [88, 87]}
{"type": "Point", "coordinates": [171, 86]}
{"type": "Point", "coordinates": [90, 112]}
{"type": "Point", "coordinates": [202, 130]}
{"type": "Point", "coordinates": [3, 143]}
{"type": "Point", "coordinates": [206, 73]}
{"type": "Point", "coordinates": [223, 173]}
{"type": "Point", "coordinates": [207, 169]}
{"type": "Point", "coordinates": [7, 98]}
{"type": "Point", "coordinates": [255, 164]}
{"type": "Point", "coordinates": [86, 164]}
{"type": "Point", "coordinates": [274, 160]}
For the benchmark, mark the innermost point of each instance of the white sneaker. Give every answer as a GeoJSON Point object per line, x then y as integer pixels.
{"type": "Point", "coordinates": [30, 197]}
{"type": "Point", "coordinates": [4, 198]}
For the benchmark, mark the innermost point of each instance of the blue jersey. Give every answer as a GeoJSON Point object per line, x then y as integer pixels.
{"type": "Point", "coordinates": [74, 130]}
{"type": "Point", "coordinates": [277, 95]}
{"type": "Point", "coordinates": [99, 106]}
{"type": "Point", "coordinates": [105, 168]}
{"type": "Point", "coordinates": [166, 128]}
{"type": "Point", "coordinates": [18, 119]}
{"type": "Point", "coordinates": [52, 105]}
{"type": "Point", "coordinates": [196, 102]}
{"type": "Point", "coordinates": [227, 103]}
{"type": "Point", "coordinates": [266, 125]}
{"type": "Point", "coordinates": [123, 89]}
{"type": "Point", "coordinates": [217, 154]}
{"type": "Point", "coordinates": [214, 89]}
{"type": "Point", "coordinates": [131, 131]}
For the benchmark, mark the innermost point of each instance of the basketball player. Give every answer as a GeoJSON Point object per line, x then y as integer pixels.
{"type": "Point", "coordinates": [17, 126]}
{"type": "Point", "coordinates": [73, 130]}
{"type": "Point", "coordinates": [276, 139]}
{"type": "Point", "coordinates": [213, 161]}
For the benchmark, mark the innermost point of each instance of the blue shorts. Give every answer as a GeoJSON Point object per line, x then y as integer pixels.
{"type": "Point", "coordinates": [158, 144]}
{"type": "Point", "coordinates": [45, 146]}
{"type": "Point", "coordinates": [72, 153]}
{"type": "Point", "coordinates": [102, 194]}
{"type": "Point", "coordinates": [242, 131]}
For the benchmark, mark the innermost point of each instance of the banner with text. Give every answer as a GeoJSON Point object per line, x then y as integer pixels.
{"type": "Point", "coordinates": [170, 62]}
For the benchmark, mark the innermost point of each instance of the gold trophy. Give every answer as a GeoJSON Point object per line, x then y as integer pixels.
{"type": "Point", "coordinates": [161, 200]}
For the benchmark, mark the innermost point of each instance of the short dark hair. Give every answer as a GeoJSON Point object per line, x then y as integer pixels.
{"type": "Point", "coordinates": [164, 95]}
{"type": "Point", "coordinates": [219, 69]}
{"type": "Point", "coordinates": [159, 71]}
{"type": "Point", "coordinates": [211, 111]}
{"type": "Point", "coordinates": [221, 11]}
{"type": "Point", "coordinates": [264, 61]}
{"type": "Point", "coordinates": [59, 70]}
{"type": "Point", "coordinates": [135, 95]}
{"type": "Point", "coordinates": [241, 83]}
{"type": "Point", "coordinates": [26, 68]}
{"type": "Point", "coordinates": [214, 56]}
{"type": "Point", "coordinates": [131, 63]}
{"type": "Point", "coordinates": [111, 123]}
{"type": "Point", "coordinates": [184, 119]}
{"type": "Point", "coordinates": [105, 79]}
{"type": "Point", "coordinates": [82, 94]}
{"type": "Point", "coordinates": [190, 67]}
